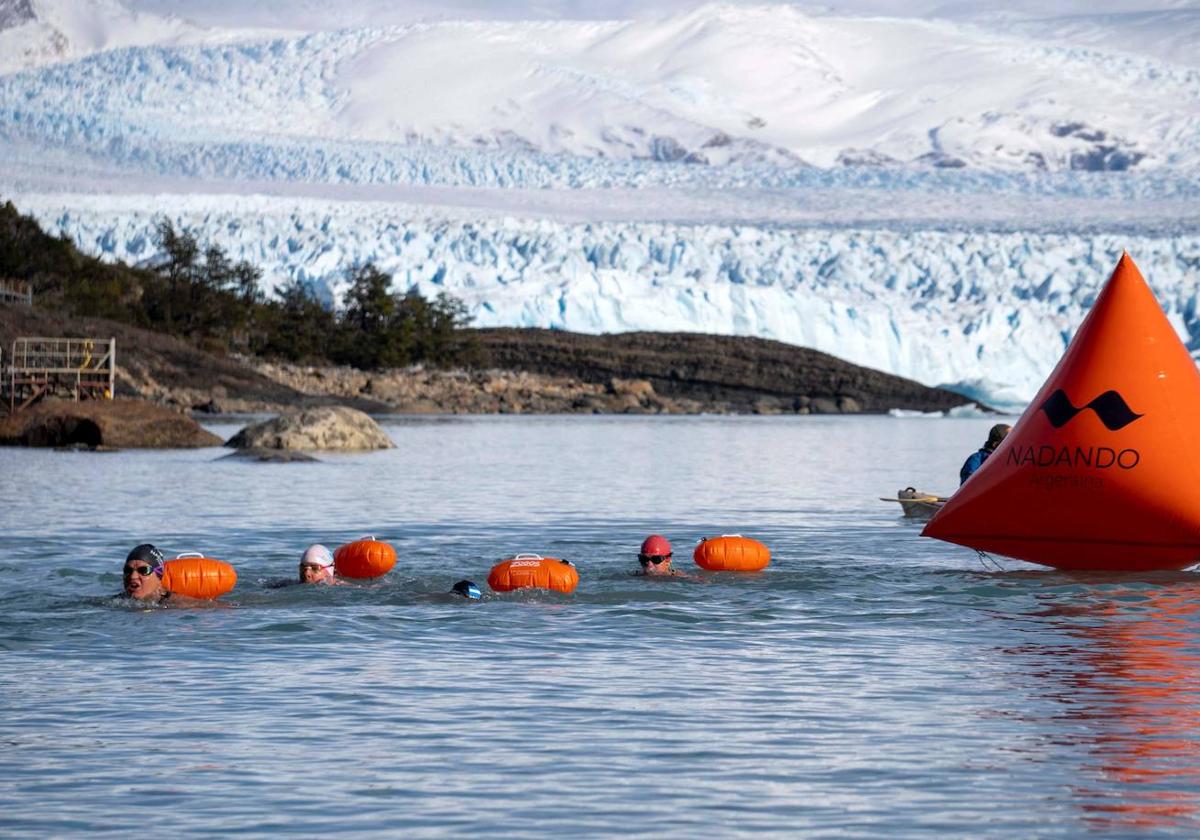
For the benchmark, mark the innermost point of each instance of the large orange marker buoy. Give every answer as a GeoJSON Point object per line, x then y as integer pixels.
{"type": "Point", "coordinates": [197, 576]}
{"type": "Point", "coordinates": [1100, 471]}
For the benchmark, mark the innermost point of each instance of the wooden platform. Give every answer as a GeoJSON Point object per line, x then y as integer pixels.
{"type": "Point", "coordinates": [20, 293]}
{"type": "Point", "coordinates": [72, 368]}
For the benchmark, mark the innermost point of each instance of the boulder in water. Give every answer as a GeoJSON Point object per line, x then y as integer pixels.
{"type": "Point", "coordinates": [326, 428]}
{"type": "Point", "coordinates": [270, 456]}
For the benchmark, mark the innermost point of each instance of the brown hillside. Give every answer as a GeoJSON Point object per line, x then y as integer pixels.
{"type": "Point", "coordinates": [738, 371]}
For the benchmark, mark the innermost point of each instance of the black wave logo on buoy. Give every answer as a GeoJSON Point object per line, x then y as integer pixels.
{"type": "Point", "coordinates": [1110, 407]}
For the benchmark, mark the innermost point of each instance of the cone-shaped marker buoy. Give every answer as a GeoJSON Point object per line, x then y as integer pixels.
{"type": "Point", "coordinates": [1100, 472]}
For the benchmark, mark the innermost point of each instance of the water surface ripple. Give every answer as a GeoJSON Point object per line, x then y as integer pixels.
{"type": "Point", "coordinates": [868, 682]}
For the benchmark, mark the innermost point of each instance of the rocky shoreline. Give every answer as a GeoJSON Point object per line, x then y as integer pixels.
{"type": "Point", "coordinates": [509, 371]}
{"type": "Point", "coordinates": [424, 391]}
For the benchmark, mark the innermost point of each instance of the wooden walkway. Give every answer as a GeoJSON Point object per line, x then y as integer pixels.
{"type": "Point", "coordinates": [79, 368]}
{"type": "Point", "coordinates": [20, 293]}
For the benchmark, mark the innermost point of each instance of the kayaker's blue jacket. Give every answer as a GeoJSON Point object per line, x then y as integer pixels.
{"type": "Point", "coordinates": [971, 464]}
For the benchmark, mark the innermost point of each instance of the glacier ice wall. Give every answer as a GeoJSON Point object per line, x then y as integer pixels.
{"type": "Point", "coordinates": [990, 312]}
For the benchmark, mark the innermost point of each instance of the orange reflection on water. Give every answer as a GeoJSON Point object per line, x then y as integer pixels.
{"type": "Point", "coordinates": [1132, 678]}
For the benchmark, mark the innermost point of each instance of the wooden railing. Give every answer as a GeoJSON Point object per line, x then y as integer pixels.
{"type": "Point", "coordinates": [12, 292]}
{"type": "Point", "coordinates": [82, 368]}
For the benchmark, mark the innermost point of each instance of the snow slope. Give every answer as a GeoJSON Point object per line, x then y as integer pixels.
{"type": "Point", "coordinates": [935, 188]}
{"type": "Point", "coordinates": [39, 32]}
{"type": "Point", "coordinates": [760, 85]}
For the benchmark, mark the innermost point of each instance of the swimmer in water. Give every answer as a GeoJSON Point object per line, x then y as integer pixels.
{"type": "Point", "coordinates": [467, 589]}
{"type": "Point", "coordinates": [655, 558]}
{"type": "Point", "coordinates": [316, 566]}
{"type": "Point", "coordinates": [142, 577]}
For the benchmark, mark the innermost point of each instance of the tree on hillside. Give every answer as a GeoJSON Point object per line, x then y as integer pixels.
{"type": "Point", "coordinates": [367, 339]}
{"type": "Point", "coordinates": [379, 328]}
{"type": "Point", "coordinates": [179, 269]}
{"type": "Point", "coordinates": [297, 326]}
{"type": "Point", "coordinates": [198, 292]}
{"type": "Point", "coordinates": [427, 328]}
{"type": "Point", "coordinates": [62, 277]}
{"type": "Point", "coordinates": [204, 294]}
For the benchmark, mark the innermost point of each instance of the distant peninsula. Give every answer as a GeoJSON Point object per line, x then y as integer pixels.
{"type": "Point", "coordinates": [195, 331]}
{"type": "Point", "coordinates": [511, 371]}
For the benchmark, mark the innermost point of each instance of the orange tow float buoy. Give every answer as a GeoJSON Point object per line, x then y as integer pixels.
{"type": "Point", "coordinates": [364, 558]}
{"type": "Point", "coordinates": [731, 553]}
{"type": "Point", "coordinates": [1099, 473]}
{"type": "Point", "coordinates": [197, 576]}
{"type": "Point", "coordinates": [533, 571]}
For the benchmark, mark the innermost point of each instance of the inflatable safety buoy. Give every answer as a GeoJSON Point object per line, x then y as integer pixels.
{"type": "Point", "coordinates": [364, 558]}
{"type": "Point", "coordinates": [197, 576]}
{"type": "Point", "coordinates": [731, 553]}
{"type": "Point", "coordinates": [1100, 471]}
{"type": "Point", "coordinates": [533, 571]}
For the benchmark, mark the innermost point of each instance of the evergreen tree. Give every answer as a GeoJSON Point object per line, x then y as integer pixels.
{"type": "Point", "coordinates": [366, 338]}
{"type": "Point", "coordinates": [297, 326]}
{"type": "Point", "coordinates": [198, 292]}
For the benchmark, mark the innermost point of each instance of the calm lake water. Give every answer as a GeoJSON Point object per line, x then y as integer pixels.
{"type": "Point", "coordinates": [869, 682]}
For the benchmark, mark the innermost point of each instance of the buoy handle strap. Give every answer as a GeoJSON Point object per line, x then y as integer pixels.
{"type": "Point", "coordinates": [189, 554]}
{"type": "Point", "coordinates": [370, 537]}
{"type": "Point", "coordinates": [528, 555]}
{"type": "Point", "coordinates": [731, 535]}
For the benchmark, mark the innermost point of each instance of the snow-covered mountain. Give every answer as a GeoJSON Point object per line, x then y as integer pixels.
{"type": "Point", "coordinates": [35, 33]}
{"type": "Point", "coordinates": [755, 85]}
{"type": "Point", "coordinates": [935, 189]}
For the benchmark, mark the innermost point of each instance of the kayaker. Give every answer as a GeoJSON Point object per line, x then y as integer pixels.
{"type": "Point", "coordinates": [976, 459]}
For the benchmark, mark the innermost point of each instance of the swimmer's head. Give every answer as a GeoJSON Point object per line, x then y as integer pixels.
{"type": "Point", "coordinates": [467, 589]}
{"type": "Point", "coordinates": [143, 571]}
{"type": "Point", "coordinates": [655, 555]}
{"type": "Point", "coordinates": [316, 565]}
{"type": "Point", "coordinates": [147, 554]}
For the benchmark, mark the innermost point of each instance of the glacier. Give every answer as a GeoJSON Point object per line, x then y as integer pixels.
{"type": "Point", "coordinates": [931, 189]}
{"type": "Point", "coordinates": [986, 312]}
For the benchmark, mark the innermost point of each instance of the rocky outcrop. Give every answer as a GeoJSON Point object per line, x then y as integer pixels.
{"type": "Point", "coordinates": [419, 390]}
{"type": "Point", "coordinates": [326, 428]}
{"type": "Point", "coordinates": [714, 372]}
{"type": "Point", "coordinates": [507, 371]}
{"type": "Point", "coordinates": [104, 424]}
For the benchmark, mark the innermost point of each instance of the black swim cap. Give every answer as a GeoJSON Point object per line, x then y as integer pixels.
{"type": "Point", "coordinates": [467, 589]}
{"type": "Point", "coordinates": [149, 554]}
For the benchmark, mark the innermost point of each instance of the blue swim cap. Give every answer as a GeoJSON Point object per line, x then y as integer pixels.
{"type": "Point", "coordinates": [467, 589]}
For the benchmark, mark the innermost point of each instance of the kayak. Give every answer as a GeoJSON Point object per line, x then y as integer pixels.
{"type": "Point", "coordinates": [917, 504]}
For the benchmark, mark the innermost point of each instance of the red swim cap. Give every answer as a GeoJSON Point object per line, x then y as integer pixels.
{"type": "Point", "coordinates": [655, 546]}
